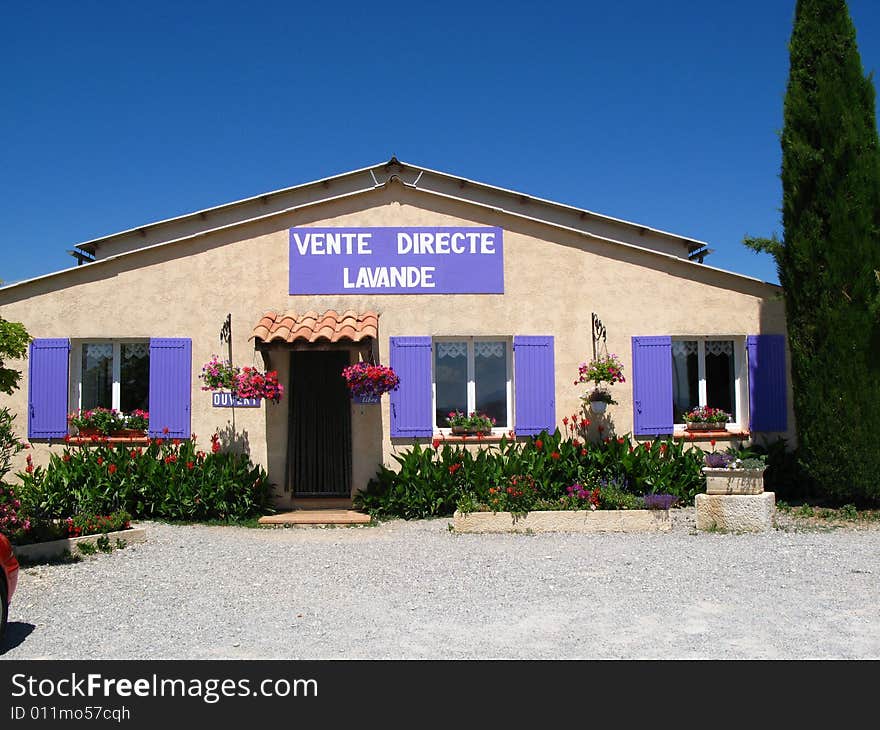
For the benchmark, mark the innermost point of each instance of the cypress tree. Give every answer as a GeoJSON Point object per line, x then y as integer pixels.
{"type": "Point", "coordinates": [830, 254]}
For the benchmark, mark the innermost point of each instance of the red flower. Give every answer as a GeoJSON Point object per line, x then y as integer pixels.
{"type": "Point", "coordinates": [620, 439]}
{"type": "Point", "coordinates": [100, 460]}
{"type": "Point", "coordinates": [176, 442]}
{"type": "Point", "coordinates": [190, 465]}
{"type": "Point", "coordinates": [565, 420]}
{"type": "Point", "coordinates": [713, 443]}
{"type": "Point", "coordinates": [132, 453]}
{"type": "Point", "coordinates": [436, 443]}
{"type": "Point", "coordinates": [66, 457]}
{"type": "Point", "coordinates": [583, 452]}
{"type": "Point", "coordinates": [539, 444]}
{"type": "Point", "coordinates": [555, 455]}
{"type": "Point", "coordinates": [111, 468]}
{"type": "Point", "coordinates": [454, 467]}
{"type": "Point", "coordinates": [166, 430]}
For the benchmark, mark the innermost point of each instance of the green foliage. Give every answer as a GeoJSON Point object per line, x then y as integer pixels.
{"type": "Point", "coordinates": [531, 474]}
{"type": "Point", "coordinates": [14, 341]}
{"type": "Point", "coordinates": [10, 445]}
{"type": "Point", "coordinates": [167, 479]}
{"type": "Point", "coordinates": [830, 254]}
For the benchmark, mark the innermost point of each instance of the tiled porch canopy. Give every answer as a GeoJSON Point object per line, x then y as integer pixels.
{"type": "Point", "coordinates": [312, 327]}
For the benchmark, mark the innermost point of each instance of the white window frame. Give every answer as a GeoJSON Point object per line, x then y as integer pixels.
{"type": "Point", "coordinates": [499, 428]}
{"type": "Point", "coordinates": [116, 370]}
{"type": "Point", "coordinates": [739, 374]}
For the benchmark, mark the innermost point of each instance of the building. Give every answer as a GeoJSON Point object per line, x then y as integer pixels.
{"type": "Point", "coordinates": [480, 298]}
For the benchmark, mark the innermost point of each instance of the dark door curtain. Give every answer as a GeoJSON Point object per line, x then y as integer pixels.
{"type": "Point", "coordinates": [319, 434]}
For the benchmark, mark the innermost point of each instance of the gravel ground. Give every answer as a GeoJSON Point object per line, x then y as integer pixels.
{"type": "Point", "coordinates": [415, 590]}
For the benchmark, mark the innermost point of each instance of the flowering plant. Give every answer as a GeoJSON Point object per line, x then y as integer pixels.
{"type": "Point", "coordinates": [251, 383]}
{"type": "Point", "coordinates": [10, 517]}
{"type": "Point", "coordinates": [218, 373]}
{"type": "Point", "coordinates": [601, 394]}
{"type": "Point", "coordinates": [103, 420]}
{"type": "Point", "coordinates": [246, 382]}
{"type": "Point", "coordinates": [603, 369]}
{"type": "Point", "coordinates": [362, 378]}
{"type": "Point", "coordinates": [705, 414]}
{"type": "Point", "coordinates": [137, 420]}
{"type": "Point", "coordinates": [472, 422]}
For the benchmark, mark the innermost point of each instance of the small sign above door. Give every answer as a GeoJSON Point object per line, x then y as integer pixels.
{"type": "Point", "coordinates": [227, 400]}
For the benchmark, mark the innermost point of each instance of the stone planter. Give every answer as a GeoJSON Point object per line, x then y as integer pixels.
{"type": "Point", "coordinates": [462, 431]}
{"type": "Point", "coordinates": [735, 512]}
{"type": "Point", "coordinates": [630, 520]}
{"type": "Point", "coordinates": [704, 427]}
{"type": "Point", "coordinates": [56, 548]}
{"type": "Point", "coordinates": [734, 481]}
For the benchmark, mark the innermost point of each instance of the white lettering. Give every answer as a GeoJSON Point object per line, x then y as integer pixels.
{"type": "Point", "coordinates": [333, 243]}
{"type": "Point", "coordinates": [387, 277]}
{"type": "Point", "coordinates": [302, 244]}
{"type": "Point", "coordinates": [404, 242]}
{"type": "Point", "coordinates": [487, 243]}
{"type": "Point", "coordinates": [363, 243]}
{"type": "Point", "coordinates": [441, 243]}
{"type": "Point", "coordinates": [456, 246]}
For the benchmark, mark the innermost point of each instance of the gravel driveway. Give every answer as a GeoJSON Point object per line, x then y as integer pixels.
{"type": "Point", "coordinates": [415, 590]}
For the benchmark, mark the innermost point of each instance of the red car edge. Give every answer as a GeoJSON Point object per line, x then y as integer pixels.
{"type": "Point", "coordinates": [8, 580]}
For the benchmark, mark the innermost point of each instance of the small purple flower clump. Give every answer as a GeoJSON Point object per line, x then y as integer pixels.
{"type": "Point", "coordinates": [718, 460]}
{"type": "Point", "coordinates": [659, 501]}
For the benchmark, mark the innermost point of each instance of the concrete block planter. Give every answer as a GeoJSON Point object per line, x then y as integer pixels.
{"type": "Point", "coordinates": [735, 512]}
{"type": "Point", "coordinates": [55, 548]}
{"type": "Point", "coordinates": [635, 520]}
{"type": "Point", "coordinates": [734, 481]}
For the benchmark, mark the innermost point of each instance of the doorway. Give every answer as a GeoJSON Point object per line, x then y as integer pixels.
{"type": "Point", "coordinates": [319, 428]}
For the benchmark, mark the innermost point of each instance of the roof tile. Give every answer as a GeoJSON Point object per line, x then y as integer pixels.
{"type": "Point", "coordinates": [311, 326]}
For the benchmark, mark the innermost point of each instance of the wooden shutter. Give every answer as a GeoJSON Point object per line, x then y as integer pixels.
{"type": "Point", "coordinates": [768, 383]}
{"type": "Point", "coordinates": [170, 387]}
{"type": "Point", "coordinates": [412, 402]}
{"type": "Point", "coordinates": [652, 385]}
{"type": "Point", "coordinates": [48, 388]}
{"type": "Point", "coordinates": [534, 384]}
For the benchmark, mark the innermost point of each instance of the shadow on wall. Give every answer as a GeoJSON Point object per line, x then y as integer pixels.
{"type": "Point", "coordinates": [234, 441]}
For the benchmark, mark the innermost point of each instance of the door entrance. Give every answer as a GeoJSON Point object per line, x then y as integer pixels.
{"type": "Point", "coordinates": [319, 430]}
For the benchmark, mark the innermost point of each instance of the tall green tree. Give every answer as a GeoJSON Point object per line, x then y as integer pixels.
{"type": "Point", "coordinates": [14, 341]}
{"type": "Point", "coordinates": [830, 253]}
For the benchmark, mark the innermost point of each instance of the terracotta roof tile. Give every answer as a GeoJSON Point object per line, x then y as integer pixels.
{"type": "Point", "coordinates": [312, 327]}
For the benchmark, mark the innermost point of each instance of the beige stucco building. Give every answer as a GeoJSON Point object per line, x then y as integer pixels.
{"type": "Point", "coordinates": [496, 315]}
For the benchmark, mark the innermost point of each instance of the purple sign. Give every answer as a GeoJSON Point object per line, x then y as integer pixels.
{"type": "Point", "coordinates": [397, 260]}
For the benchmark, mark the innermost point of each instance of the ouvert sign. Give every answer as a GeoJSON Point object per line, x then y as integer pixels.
{"type": "Point", "coordinates": [397, 260]}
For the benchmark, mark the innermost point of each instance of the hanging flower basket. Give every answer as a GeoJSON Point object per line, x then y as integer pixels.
{"type": "Point", "coordinates": [367, 382]}
{"type": "Point", "coordinates": [245, 382]}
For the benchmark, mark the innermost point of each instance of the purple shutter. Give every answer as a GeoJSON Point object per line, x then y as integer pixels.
{"type": "Point", "coordinates": [534, 384]}
{"type": "Point", "coordinates": [652, 385]}
{"type": "Point", "coordinates": [48, 388]}
{"type": "Point", "coordinates": [411, 403]}
{"type": "Point", "coordinates": [170, 387]}
{"type": "Point", "coordinates": [768, 385]}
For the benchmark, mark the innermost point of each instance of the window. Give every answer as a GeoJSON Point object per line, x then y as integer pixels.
{"type": "Point", "coordinates": [707, 372]}
{"type": "Point", "coordinates": [113, 374]}
{"type": "Point", "coordinates": [472, 374]}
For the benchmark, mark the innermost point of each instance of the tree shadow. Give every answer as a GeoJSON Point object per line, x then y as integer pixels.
{"type": "Point", "coordinates": [234, 441]}
{"type": "Point", "coordinates": [16, 633]}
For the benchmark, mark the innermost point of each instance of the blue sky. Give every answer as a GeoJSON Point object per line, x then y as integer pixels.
{"type": "Point", "coordinates": [119, 114]}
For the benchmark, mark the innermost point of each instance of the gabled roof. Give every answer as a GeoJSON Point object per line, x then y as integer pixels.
{"type": "Point", "coordinates": [367, 179]}
{"type": "Point", "coordinates": [364, 179]}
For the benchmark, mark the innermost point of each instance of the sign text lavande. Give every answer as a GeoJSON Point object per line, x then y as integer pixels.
{"type": "Point", "coordinates": [448, 260]}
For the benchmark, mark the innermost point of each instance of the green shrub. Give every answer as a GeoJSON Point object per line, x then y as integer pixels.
{"type": "Point", "coordinates": [532, 474]}
{"type": "Point", "coordinates": [167, 479]}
